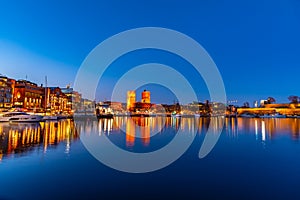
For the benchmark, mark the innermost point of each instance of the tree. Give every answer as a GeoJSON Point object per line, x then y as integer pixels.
{"type": "Point", "coordinates": [294, 99]}
{"type": "Point", "coordinates": [271, 100]}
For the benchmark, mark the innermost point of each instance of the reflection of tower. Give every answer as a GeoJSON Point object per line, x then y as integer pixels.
{"type": "Point", "coordinates": [145, 130]}
{"type": "Point", "coordinates": [146, 96]}
{"type": "Point", "coordinates": [130, 99]}
{"type": "Point", "coordinates": [130, 132]}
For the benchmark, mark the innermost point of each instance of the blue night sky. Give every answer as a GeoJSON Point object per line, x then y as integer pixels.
{"type": "Point", "coordinates": [255, 44]}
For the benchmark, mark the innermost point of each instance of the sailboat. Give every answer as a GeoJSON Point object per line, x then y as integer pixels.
{"type": "Point", "coordinates": [47, 104]}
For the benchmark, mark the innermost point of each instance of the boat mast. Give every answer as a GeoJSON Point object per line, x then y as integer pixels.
{"type": "Point", "coordinates": [46, 95]}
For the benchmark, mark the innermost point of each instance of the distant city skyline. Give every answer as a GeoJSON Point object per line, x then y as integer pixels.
{"type": "Point", "coordinates": [254, 44]}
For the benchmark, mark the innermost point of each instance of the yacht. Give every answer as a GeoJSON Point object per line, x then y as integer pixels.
{"type": "Point", "coordinates": [19, 117]}
{"type": "Point", "coordinates": [50, 117]}
{"type": "Point", "coordinates": [151, 114]}
{"type": "Point", "coordinates": [176, 115]}
{"type": "Point", "coordinates": [105, 115]}
{"type": "Point", "coordinates": [197, 115]}
{"type": "Point", "coordinates": [104, 111]}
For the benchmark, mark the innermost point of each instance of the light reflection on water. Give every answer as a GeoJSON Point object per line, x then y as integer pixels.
{"type": "Point", "coordinates": [251, 153]}
{"type": "Point", "coordinates": [20, 138]}
{"type": "Point", "coordinates": [268, 129]}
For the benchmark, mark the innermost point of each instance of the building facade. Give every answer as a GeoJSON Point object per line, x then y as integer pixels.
{"type": "Point", "coordinates": [6, 92]}
{"type": "Point", "coordinates": [117, 107]}
{"type": "Point", "coordinates": [57, 100]}
{"type": "Point", "coordinates": [143, 106]}
{"type": "Point", "coordinates": [28, 95]}
{"type": "Point", "coordinates": [131, 98]}
{"type": "Point", "coordinates": [145, 96]}
{"type": "Point", "coordinates": [74, 99]}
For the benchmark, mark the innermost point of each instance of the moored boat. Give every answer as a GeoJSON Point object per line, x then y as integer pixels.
{"type": "Point", "coordinates": [20, 117]}
{"type": "Point", "coordinates": [50, 117]}
{"type": "Point", "coordinates": [176, 115]}
{"type": "Point", "coordinates": [104, 111]}
{"type": "Point", "coordinates": [197, 115]}
{"type": "Point", "coordinates": [105, 115]}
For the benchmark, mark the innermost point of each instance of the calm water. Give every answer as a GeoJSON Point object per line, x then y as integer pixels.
{"type": "Point", "coordinates": [253, 159]}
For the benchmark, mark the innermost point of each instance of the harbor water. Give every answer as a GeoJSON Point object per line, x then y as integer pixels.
{"type": "Point", "coordinates": [253, 159]}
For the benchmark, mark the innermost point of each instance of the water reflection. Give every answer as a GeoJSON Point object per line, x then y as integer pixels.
{"type": "Point", "coordinates": [144, 129]}
{"type": "Point", "coordinates": [130, 134]}
{"type": "Point", "coordinates": [264, 129]}
{"type": "Point", "coordinates": [17, 139]}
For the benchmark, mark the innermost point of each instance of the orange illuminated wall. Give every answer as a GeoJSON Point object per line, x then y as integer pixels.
{"type": "Point", "coordinates": [130, 99]}
{"type": "Point", "coordinates": [146, 96]}
{"type": "Point", "coordinates": [6, 92]}
{"type": "Point", "coordinates": [28, 95]}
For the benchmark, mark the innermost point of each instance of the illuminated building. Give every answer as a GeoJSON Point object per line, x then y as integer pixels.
{"type": "Point", "coordinates": [74, 98]}
{"type": "Point", "coordinates": [130, 100]}
{"type": "Point", "coordinates": [255, 104]}
{"type": "Point", "coordinates": [116, 107]}
{"type": "Point", "coordinates": [6, 92]}
{"type": "Point", "coordinates": [88, 106]}
{"type": "Point", "coordinates": [145, 96]}
{"type": "Point", "coordinates": [142, 106]}
{"type": "Point", "coordinates": [28, 95]}
{"type": "Point", "coordinates": [57, 100]}
{"type": "Point", "coordinates": [263, 102]}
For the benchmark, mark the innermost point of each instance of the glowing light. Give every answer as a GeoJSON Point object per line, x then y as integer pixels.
{"type": "Point", "coordinates": [130, 133]}
{"type": "Point", "coordinates": [263, 131]}
{"type": "Point", "coordinates": [256, 129]}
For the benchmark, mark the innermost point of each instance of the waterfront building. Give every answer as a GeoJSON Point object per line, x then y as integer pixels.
{"type": "Point", "coordinates": [6, 92]}
{"type": "Point", "coordinates": [255, 104]}
{"type": "Point", "coordinates": [74, 99]}
{"type": "Point", "coordinates": [143, 106]}
{"type": "Point", "coordinates": [87, 106]}
{"type": "Point", "coordinates": [263, 103]}
{"type": "Point", "coordinates": [131, 98]}
{"type": "Point", "coordinates": [195, 107]}
{"type": "Point", "coordinates": [57, 100]}
{"type": "Point", "coordinates": [28, 95]}
{"type": "Point", "coordinates": [173, 108]}
{"type": "Point", "coordinates": [284, 108]}
{"type": "Point", "coordinates": [116, 107]}
{"type": "Point", "coordinates": [103, 108]}
{"type": "Point", "coordinates": [145, 96]}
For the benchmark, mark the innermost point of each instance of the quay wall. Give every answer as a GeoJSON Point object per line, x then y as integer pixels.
{"type": "Point", "coordinates": [262, 111]}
